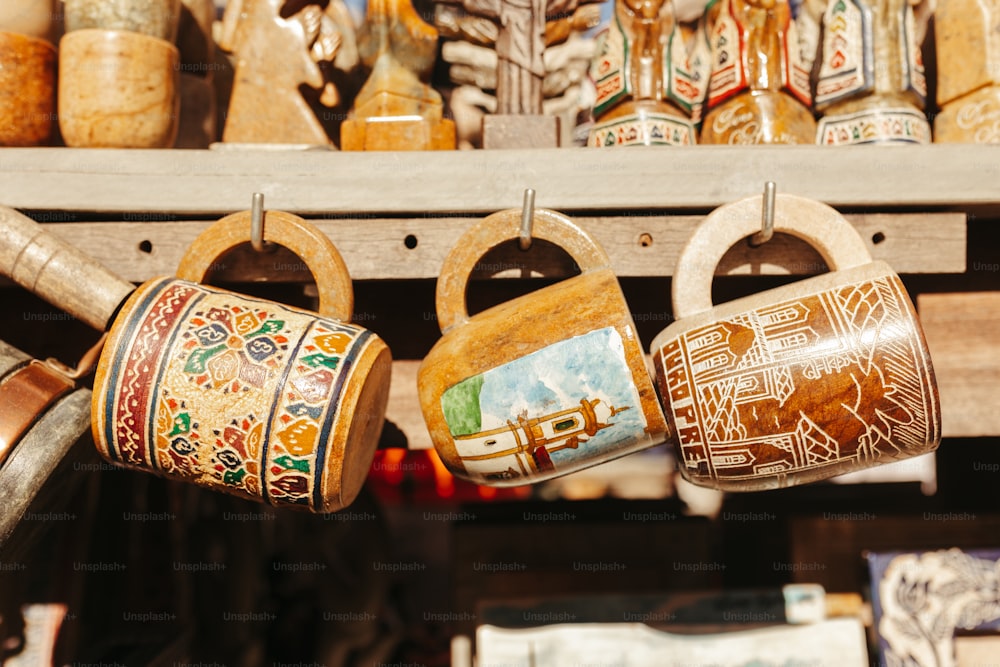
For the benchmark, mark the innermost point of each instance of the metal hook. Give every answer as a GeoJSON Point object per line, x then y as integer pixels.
{"type": "Point", "coordinates": [767, 217]}
{"type": "Point", "coordinates": [527, 217]}
{"type": "Point", "coordinates": [257, 223]}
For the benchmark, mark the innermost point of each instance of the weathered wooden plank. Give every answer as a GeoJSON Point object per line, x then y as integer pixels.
{"type": "Point", "coordinates": [408, 248]}
{"type": "Point", "coordinates": [404, 405]}
{"type": "Point", "coordinates": [569, 179]}
{"type": "Point", "coordinates": [961, 331]}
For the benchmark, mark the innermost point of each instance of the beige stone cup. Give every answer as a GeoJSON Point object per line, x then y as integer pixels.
{"type": "Point", "coordinates": [28, 17]}
{"type": "Point", "coordinates": [27, 90]}
{"type": "Point", "coordinates": [156, 18]}
{"type": "Point", "coordinates": [118, 89]}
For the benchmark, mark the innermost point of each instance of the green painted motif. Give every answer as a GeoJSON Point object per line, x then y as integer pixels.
{"type": "Point", "coordinates": [288, 463]}
{"type": "Point", "coordinates": [196, 363]}
{"type": "Point", "coordinates": [320, 359]}
{"type": "Point", "coordinates": [182, 424]}
{"type": "Point", "coordinates": [269, 327]}
{"type": "Point", "coordinates": [461, 406]}
{"type": "Point", "coordinates": [234, 477]}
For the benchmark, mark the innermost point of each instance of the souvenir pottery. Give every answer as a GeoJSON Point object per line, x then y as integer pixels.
{"type": "Point", "coordinates": [156, 18]}
{"type": "Point", "coordinates": [519, 33]}
{"type": "Point", "coordinates": [397, 109]}
{"type": "Point", "coordinates": [542, 385]}
{"type": "Point", "coordinates": [33, 18]}
{"type": "Point", "coordinates": [800, 383]}
{"type": "Point", "coordinates": [43, 415]}
{"type": "Point", "coordinates": [118, 89]}
{"type": "Point", "coordinates": [870, 87]}
{"type": "Point", "coordinates": [758, 91]}
{"type": "Point", "coordinates": [27, 90]}
{"type": "Point", "coordinates": [968, 78]}
{"type": "Point", "coordinates": [230, 392]}
{"type": "Point", "coordinates": [646, 89]}
{"type": "Point", "coordinates": [275, 58]}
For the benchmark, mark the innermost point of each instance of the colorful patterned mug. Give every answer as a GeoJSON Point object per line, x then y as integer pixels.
{"type": "Point", "coordinates": [799, 383]}
{"type": "Point", "coordinates": [240, 394]}
{"type": "Point", "coordinates": [545, 384]}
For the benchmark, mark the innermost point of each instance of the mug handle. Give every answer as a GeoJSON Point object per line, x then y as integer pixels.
{"type": "Point", "coordinates": [817, 224]}
{"type": "Point", "coordinates": [495, 229]}
{"type": "Point", "coordinates": [336, 292]}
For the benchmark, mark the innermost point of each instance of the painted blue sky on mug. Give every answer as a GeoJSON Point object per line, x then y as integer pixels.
{"type": "Point", "coordinates": [562, 408]}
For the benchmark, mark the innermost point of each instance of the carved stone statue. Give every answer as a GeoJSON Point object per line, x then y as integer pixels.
{"type": "Point", "coordinates": [521, 31]}
{"type": "Point", "coordinates": [397, 109]}
{"type": "Point", "coordinates": [870, 87]}
{"type": "Point", "coordinates": [275, 59]}
{"type": "Point", "coordinates": [647, 86]}
{"type": "Point", "coordinates": [472, 53]}
{"type": "Point", "coordinates": [759, 90]}
{"type": "Point", "coordinates": [968, 71]}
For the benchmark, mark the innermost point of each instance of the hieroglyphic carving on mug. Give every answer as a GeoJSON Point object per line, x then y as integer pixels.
{"type": "Point", "coordinates": [836, 380]}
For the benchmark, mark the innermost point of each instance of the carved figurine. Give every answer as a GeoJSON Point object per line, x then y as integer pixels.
{"type": "Point", "coordinates": [759, 90]}
{"type": "Point", "coordinates": [520, 33]}
{"type": "Point", "coordinates": [471, 51]}
{"type": "Point", "coordinates": [275, 57]}
{"type": "Point", "coordinates": [870, 86]}
{"type": "Point", "coordinates": [968, 71]}
{"type": "Point", "coordinates": [397, 109]}
{"type": "Point", "coordinates": [646, 89]}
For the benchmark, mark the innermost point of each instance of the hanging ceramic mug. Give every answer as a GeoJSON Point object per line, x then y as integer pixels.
{"type": "Point", "coordinates": [234, 393]}
{"type": "Point", "coordinates": [545, 384]}
{"type": "Point", "coordinates": [43, 414]}
{"type": "Point", "coordinates": [800, 383]}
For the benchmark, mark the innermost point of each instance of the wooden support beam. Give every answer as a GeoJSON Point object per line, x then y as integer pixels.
{"type": "Point", "coordinates": [961, 331]}
{"type": "Point", "coordinates": [409, 248]}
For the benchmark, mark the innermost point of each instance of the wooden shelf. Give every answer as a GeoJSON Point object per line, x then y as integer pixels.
{"type": "Point", "coordinates": [214, 182]}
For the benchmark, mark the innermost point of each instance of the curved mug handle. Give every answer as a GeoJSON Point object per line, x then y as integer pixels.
{"type": "Point", "coordinates": [336, 293]}
{"type": "Point", "coordinates": [817, 224]}
{"type": "Point", "coordinates": [495, 229]}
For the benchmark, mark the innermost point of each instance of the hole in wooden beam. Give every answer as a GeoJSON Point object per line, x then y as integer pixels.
{"type": "Point", "coordinates": [146, 246]}
{"type": "Point", "coordinates": [878, 237]}
{"type": "Point", "coordinates": [645, 240]}
{"type": "Point", "coordinates": [410, 241]}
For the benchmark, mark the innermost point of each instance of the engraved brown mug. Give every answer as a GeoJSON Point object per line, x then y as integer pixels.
{"type": "Point", "coordinates": [240, 394]}
{"type": "Point", "coordinates": [542, 385]}
{"type": "Point", "coordinates": [800, 383]}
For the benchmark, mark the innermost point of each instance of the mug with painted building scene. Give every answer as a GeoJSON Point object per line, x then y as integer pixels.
{"type": "Point", "coordinates": [542, 385]}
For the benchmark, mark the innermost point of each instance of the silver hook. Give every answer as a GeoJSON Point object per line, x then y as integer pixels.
{"type": "Point", "coordinates": [527, 217]}
{"type": "Point", "coordinates": [767, 217]}
{"type": "Point", "coordinates": [257, 223]}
